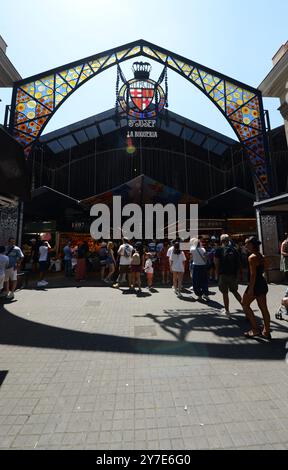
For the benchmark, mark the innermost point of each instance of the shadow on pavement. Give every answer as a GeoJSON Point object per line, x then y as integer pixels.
{"type": "Point", "coordinates": [211, 303]}
{"type": "Point", "coordinates": [21, 332]}
{"type": "Point", "coordinates": [3, 374]}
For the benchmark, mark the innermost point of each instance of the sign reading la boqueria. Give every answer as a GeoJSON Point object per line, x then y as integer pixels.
{"type": "Point", "coordinates": [142, 124]}
{"type": "Point", "coordinates": [142, 99]}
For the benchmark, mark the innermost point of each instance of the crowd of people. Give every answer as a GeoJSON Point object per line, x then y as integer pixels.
{"type": "Point", "coordinates": [130, 261]}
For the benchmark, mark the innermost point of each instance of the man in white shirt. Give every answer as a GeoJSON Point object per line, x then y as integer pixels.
{"type": "Point", "coordinates": [170, 249]}
{"type": "Point", "coordinates": [200, 271]}
{"type": "Point", "coordinates": [15, 256]}
{"type": "Point", "coordinates": [43, 263]}
{"type": "Point", "coordinates": [125, 252]}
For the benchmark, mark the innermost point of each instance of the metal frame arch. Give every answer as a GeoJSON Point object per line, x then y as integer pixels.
{"type": "Point", "coordinates": [36, 99]}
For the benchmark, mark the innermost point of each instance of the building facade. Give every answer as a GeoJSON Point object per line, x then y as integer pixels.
{"type": "Point", "coordinates": [275, 85]}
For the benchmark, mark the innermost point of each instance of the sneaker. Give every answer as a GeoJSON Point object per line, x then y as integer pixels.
{"type": "Point", "coordinates": [45, 282]}
{"type": "Point", "coordinates": [116, 286]}
{"type": "Point", "coordinates": [41, 284]}
{"type": "Point", "coordinates": [206, 298]}
{"type": "Point", "coordinates": [225, 312]}
{"type": "Point", "coordinates": [10, 296]}
{"type": "Point", "coordinates": [191, 289]}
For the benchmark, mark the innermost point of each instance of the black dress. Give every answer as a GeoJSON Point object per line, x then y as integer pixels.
{"type": "Point", "coordinates": [261, 286]}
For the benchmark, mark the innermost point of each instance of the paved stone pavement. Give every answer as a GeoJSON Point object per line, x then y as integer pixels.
{"type": "Point", "coordinates": [95, 368]}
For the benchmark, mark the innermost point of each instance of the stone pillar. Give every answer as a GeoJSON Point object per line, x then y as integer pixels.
{"type": "Point", "coordinates": [8, 223]}
{"type": "Point", "coordinates": [270, 240]}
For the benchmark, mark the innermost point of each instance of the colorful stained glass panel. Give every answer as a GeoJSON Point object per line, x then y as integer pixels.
{"type": "Point", "coordinates": [37, 100]}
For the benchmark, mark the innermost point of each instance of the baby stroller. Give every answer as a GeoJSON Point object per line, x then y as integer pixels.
{"type": "Point", "coordinates": [283, 311]}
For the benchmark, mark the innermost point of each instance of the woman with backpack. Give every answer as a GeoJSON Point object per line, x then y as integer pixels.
{"type": "Point", "coordinates": [227, 262]}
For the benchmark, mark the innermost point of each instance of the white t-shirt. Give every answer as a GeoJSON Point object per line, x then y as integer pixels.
{"type": "Point", "coordinates": [4, 262]}
{"type": "Point", "coordinates": [125, 260]}
{"type": "Point", "coordinates": [177, 262]}
{"type": "Point", "coordinates": [43, 253]}
{"type": "Point", "coordinates": [199, 256]}
{"type": "Point", "coordinates": [149, 266]}
{"type": "Point", "coordinates": [170, 251]}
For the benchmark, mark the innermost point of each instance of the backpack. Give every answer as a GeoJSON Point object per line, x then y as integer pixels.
{"type": "Point", "coordinates": [136, 260]}
{"type": "Point", "coordinates": [230, 262]}
{"type": "Point", "coordinates": [127, 251]}
{"type": "Point", "coordinates": [103, 253]}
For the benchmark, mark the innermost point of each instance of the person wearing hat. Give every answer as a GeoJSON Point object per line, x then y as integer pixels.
{"type": "Point", "coordinates": [227, 264]}
{"type": "Point", "coordinates": [256, 290]}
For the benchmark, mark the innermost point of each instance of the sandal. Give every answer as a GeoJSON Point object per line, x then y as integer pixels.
{"type": "Point", "coordinates": [268, 337]}
{"type": "Point", "coordinates": [250, 334]}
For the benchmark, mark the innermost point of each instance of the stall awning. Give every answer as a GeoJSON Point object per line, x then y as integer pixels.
{"type": "Point", "coordinates": [231, 203]}
{"type": "Point", "coordinates": [141, 190]}
{"type": "Point", "coordinates": [48, 203]}
{"type": "Point", "coordinates": [274, 205]}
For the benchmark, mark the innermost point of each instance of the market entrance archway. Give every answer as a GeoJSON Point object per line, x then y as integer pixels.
{"type": "Point", "coordinates": [36, 99]}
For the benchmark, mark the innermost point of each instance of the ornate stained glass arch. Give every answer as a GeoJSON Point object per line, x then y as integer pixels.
{"type": "Point", "coordinates": [36, 99]}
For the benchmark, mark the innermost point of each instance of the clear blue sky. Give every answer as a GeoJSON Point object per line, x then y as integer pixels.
{"type": "Point", "coordinates": [237, 38]}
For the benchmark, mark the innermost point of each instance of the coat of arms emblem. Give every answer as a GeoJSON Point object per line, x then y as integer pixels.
{"type": "Point", "coordinates": [141, 97]}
